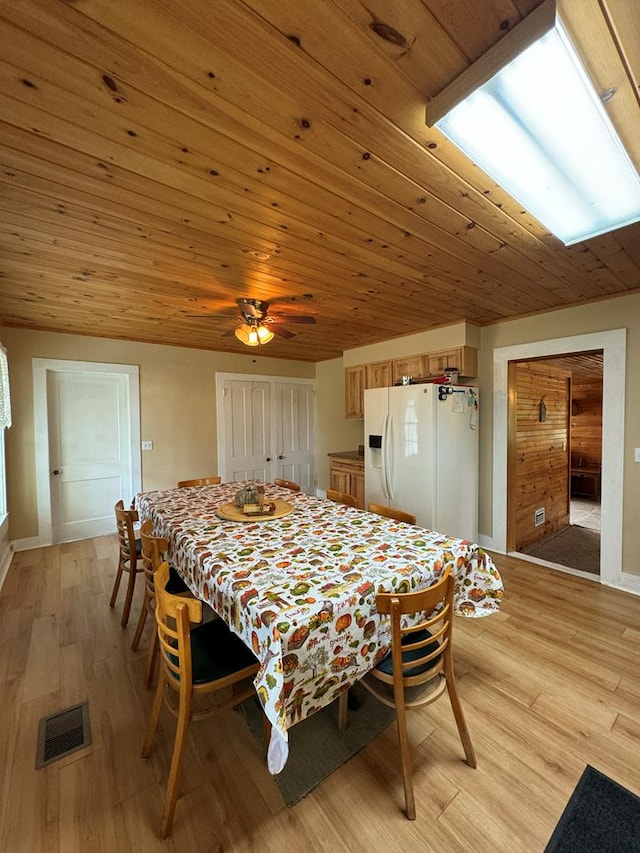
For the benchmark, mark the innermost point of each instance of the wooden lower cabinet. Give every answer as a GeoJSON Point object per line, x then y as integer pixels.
{"type": "Point", "coordinates": [347, 475]}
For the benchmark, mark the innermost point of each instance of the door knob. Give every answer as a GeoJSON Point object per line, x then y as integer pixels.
{"type": "Point", "coordinates": [268, 459]}
{"type": "Point", "coordinates": [281, 456]}
{"type": "Point", "coordinates": [55, 472]}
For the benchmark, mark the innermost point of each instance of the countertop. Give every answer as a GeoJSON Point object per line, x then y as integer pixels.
{"type": "Point", "coordinates": [348, 454]}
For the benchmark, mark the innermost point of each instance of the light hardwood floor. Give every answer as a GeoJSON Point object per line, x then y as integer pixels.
{"type": "Point", "coordinates": [549, 684]}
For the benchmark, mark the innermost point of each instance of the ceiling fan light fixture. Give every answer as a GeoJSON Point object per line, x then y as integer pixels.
{"type": "Point", "coordinates": [253, 335]}
{"type": "Point", "coordinates": [264, 335]}
{"type": "Point", "coordinates": [246, 334]}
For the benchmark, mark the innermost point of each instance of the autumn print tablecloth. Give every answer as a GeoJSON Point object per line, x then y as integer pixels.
{"type": "Point", "coordinates": [300, 590]}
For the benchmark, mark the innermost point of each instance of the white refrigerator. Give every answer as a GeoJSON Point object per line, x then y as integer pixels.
{"type": "Point", "coordinates": [421, 454]}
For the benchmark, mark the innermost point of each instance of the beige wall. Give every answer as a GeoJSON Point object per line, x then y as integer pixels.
{"type": "Point", "coordinates": [620, 313]}
{"type": "Point", "coordinates": [460, 334]}
{"type": "Point", "coordinates": [175, 382]}
{"type": "Point", "coordinates": [177, 404]}
{"type": "Point", "coordinates": [335, 432]}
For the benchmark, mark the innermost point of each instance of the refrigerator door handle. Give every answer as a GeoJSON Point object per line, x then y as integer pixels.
{"type": "Point", "coordinates": [388, 462]}
{"type": "Point", "coordinates": [383, 467]}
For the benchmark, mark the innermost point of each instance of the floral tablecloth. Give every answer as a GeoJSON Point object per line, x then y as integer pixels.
{"type": "Point", "coordinates": [300, 590]}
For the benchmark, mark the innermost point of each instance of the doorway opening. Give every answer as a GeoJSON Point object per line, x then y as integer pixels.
{"type": "Point", "coordinates": [613, 345]}
{"type": "Point", "coordinates": [556, 465]}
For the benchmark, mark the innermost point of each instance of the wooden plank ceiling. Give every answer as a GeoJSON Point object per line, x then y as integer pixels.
{"type": "Point", "coordinates": [160, 159]}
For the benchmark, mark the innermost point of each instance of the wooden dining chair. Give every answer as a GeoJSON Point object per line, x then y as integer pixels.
{"type": "Point", "coordinates": [418, 668]}
{"type": "Point", "coordinates": [391, 512]}
{"type": "Point", "coordinates": [152, 549]}
{"type": "Point", "coordinates": [341, 497]}
{"type": "Point", "coordinates": [287, 484]}
{"type": "Point", "coordinates": [200, 481]}
{"type": "Point", "coordinates": [129, 556]}
{"type": "Point", "coordinates": [194, 662]}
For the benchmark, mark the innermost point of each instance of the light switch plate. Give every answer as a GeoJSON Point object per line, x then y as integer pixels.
{"type": "Point", "coordinates": [637, 456]}
{"type": "Point", "coordinates": [147, 445]}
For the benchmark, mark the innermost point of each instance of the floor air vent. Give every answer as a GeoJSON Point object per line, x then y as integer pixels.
{"type": "Point", "coordinates": [62, 733]}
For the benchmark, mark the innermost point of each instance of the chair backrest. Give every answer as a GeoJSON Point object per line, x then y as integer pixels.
{"type": "Point", "coordinates": [200, 481]}
{"type": "Point", "coordinates": [341, 497]}
{"type": "Point", "coordinates": [288, 484]}
{"type": "Point", "coordinates": [153, 547]}
{"type": "Point", "coordinates": [391, 512]}
{"type": "Point", "coordinates": [174, 615]}
{"type": "Point", "coordinates": [125, 519]}
{"type": "Point", "coordinates": [426, 650]}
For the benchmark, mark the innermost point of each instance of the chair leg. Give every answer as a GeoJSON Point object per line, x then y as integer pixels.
{"type": "Point", "coordinates": [343, 710]}
{"type": "Point", "coordinates": [151, 660]}
{"type": "Point", "coordinates": [116, 585]}
{"type": "Point", "coordinates": [129, 597]}
{"type": "Point", "coordinates": [405, 759]}
{"type": "Point", "coordinates": [461, 723]}
{"type": "Point", "coordinates": [141, 621]}
{"type": "Point", "coordinates": [171, 796]}
{"type": "Point", "coordinates": [153, 718]}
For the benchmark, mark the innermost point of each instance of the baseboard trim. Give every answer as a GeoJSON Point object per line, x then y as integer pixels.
{"type": "Point", "coordinates": [5, 563]}
{"type": "Point", "coordinates": [29, 543]}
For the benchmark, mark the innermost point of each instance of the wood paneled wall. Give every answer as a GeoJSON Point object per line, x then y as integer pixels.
{"type": "Point", "coordinates": [540, 472]}
{"type": "Point", "coordinates": [586, 422]}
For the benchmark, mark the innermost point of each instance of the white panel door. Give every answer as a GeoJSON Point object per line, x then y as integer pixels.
{"type": "Point", "coordinates": [248, 453]}
{"type": "Point", "coordinates": [295, 425]}
{"type": "Point", "coordinates": [89, 451]}
{"type": "Point", "coordinates": [266, 429]}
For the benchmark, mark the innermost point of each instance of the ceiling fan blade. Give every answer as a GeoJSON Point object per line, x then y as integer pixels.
{"type": "Point", "coordinates": [280, 331]}
{"type": "Point", "coordinates": [229, 332]}
{"type": "Point", "coordinates": [291, 318]}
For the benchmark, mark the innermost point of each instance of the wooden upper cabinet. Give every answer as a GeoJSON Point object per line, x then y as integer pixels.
{"type": "Point", "coordinates": [380, 374]}
{"type": "Point", "coordinates": [413, 365]}
{"type": "Point", "coordinates": [354, 385]}
{"type": "Point", "coordinates": [464, 358]}
{"type": "Point", "coordinates": [384, 374]}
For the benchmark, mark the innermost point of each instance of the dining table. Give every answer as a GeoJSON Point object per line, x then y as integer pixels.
{"type": "Point", "coordinates": [299, 587]}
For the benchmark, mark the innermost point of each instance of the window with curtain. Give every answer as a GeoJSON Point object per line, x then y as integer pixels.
{"type": "Point", "coordinates": [5, 396]}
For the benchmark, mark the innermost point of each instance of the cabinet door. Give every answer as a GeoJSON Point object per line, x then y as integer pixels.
{"type": "Point", "coordinates": [357, 488]}
{"type": "Point", "coordinates": [354, 382]}
{"type": "Point", "coordinates": [340, 480]}
{"type": "Point", "coordinates": [411, 366]}
{"type": "Point", "coordinates": [380, 374]}
{"type": "Point", "coordinates": [436, 363]}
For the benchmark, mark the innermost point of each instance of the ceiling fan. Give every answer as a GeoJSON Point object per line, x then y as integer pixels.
{"type": "Point", "coordinates": [259, 327]}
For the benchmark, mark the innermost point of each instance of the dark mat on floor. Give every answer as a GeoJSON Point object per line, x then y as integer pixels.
{"type": "Point", "coordinates": [576, 546]}
{"type": "Point", "coordinates": [316, 747]}
{"type": "Point", "coordinates": [600, 817]}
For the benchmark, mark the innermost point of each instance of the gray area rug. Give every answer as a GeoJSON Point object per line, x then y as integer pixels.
{"type": "Point", "coordinates": [316, 747]}
{"type": "Point", "coordinates": [577, 547]}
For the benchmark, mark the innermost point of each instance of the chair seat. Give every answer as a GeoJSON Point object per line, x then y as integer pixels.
{"type": "Point", "coordinates": [217, 652]}
{"type": "Point", "coordinates": [386, 665]}
{"type": "Point", "coordinates": [176, 584]}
